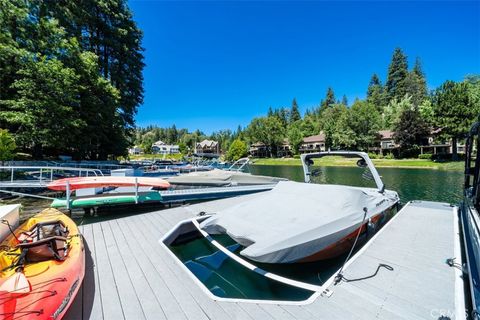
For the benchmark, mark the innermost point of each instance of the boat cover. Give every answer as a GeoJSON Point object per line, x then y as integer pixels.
{"type": "Point", "coordinates": [220, 178]}
{"type": "Point", "coordinates": [295, 220]}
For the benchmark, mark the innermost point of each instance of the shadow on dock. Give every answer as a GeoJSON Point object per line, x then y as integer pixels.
{"type": "Point", "coordinates": [81, 307]}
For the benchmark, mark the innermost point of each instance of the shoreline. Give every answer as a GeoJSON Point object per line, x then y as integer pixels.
{"type": "Point", "coordinates": [379, 163]}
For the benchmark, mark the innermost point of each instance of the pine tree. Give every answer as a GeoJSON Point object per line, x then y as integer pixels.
{"type": "Point", "coordinates": [344, 100]}
{"type": "Point", "coordinates": [270, 112]}
{"type": "Point", "coordinates": [294, 112]}
{"type": "Point", "coordinates": [376, 94]}
{"type": "Point", "coordinates": [419, 94]}
{"type": "Point", "coordinates": [329, 100]}
{"type": "Point", "coordinates": [397, 73]}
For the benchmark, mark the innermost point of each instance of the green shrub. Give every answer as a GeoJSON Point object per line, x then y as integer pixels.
{"type": "Point", "coordinates": [372, 155]}
{"type": "Point", "coordinates": [7, 146]}
{"type": "Point", "coordinates": [426, 156]}
{"type": "Point", "coordinates": [237, 150]}
{"type": "Point", "coordinates": [296, 156]}
{"type": "Point", "coordinates": [389, 156]}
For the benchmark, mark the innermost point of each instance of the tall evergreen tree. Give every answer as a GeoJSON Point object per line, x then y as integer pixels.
{"type": "Point", "coordinates": [456, 107]}
{"type": "Point", "coordinates": [329, 100]}
{"type": "Point", "coordinates": [270, 112]}
{"type": "Point", "coordinates": [344, 100]}
{"type": "Point", "coordinates": [376, 94]}
{"type": "Point", "coordinates": [95, 40]}
{"type": "Point", "coordinates": [397, 73]}
{"type": "Point", "coordinates": [294, 112]}
{"type": "Point", "coordinates": [295, 136]}
{"type": "Point", "coordinates": [416, 85]}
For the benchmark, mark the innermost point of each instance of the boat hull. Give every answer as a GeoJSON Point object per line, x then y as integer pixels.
{"type": "Point", "coordinates": [105, 181]}
{"type": "Point", "coordinates": [108, 200]}
{"type": "Point", "coordinates": [345, 244]}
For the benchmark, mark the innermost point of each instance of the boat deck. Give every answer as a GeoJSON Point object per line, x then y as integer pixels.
{"type": "Point", "coordinates": [209, 193]}
{"type": "Point", "coordinates": [129, 275]}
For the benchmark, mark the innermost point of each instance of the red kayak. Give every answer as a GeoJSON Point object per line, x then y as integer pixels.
{"type": "Point", "coordinates": [42, 268]}
{"type": "Point", "coordinates": [99, 182]}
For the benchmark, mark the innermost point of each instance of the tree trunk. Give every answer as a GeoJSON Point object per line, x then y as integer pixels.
{"type": "Point", "coordinates": [454, 149]}
{"type": "Point", "coordinates": [37, 151]}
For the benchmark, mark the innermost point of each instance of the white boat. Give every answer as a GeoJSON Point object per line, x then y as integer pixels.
{"type": "Point", "coordinates": [303, 222]}
{"type": "Point", "coordinates": [232, 176]}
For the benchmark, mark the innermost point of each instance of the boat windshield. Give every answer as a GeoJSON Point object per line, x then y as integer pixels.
{"type": "Point", "coordinates": [341, 170]}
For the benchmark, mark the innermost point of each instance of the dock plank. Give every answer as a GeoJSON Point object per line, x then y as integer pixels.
{"type": "Point", "coordinates": [162, 292]}
{"type": "Point", "coordinates": [189, 306]}
{"type": "Point", "coordinates": [111, 304]}
{"type": "Point", "coordinates": [145, 296]}
{"type": "Point", "coordinates": [91, 298]}
{"type": "Point", "coordinates": [276, 312]}
{"type": "Point", "coordinates": [256, 312]}
{"type": "Point", "coordinates": [129, 299]}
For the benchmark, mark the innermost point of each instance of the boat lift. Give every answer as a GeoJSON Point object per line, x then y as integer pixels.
{"type": "Point", "coordinates": [41, 176]}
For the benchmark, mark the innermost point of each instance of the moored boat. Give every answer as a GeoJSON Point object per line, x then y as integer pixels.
{"type": "Point", "coordinates": [42, 267]}
{"type": "Point", "coordinates": [303, 222]}
{"type": "Point", "coordinates": [106, 181]}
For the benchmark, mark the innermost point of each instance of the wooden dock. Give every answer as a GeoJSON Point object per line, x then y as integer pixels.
{"type": "Point", "coordinates": [129, 275]}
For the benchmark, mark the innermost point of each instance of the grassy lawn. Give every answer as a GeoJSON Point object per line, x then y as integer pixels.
{"type": "Point", "coordinates": [392, 163]}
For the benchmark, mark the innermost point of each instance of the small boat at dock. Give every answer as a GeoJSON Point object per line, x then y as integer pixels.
{"type": "Point", "coordinates": [304, 222]}
{"type": "Point", "coordinates": [106, 181]}
{"type": "Point", "coordinates": [234, 175]}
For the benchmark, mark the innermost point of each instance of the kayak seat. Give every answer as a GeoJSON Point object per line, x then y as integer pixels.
{"type": "Point", "coordinates": [52, 248]}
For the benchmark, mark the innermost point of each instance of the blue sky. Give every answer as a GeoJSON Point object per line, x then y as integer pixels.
{"type": "Point", "coordinates": [214, 65]}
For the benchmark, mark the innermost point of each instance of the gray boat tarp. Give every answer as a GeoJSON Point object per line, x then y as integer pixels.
{"type": "Point", "coordinates": [295, 220]}
{"type": "Point", "coordinates": [218, 177]}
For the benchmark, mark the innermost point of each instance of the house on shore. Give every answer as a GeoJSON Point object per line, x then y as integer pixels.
{"type": "Point", "coordinates": [284, 149]}
{"type": "Point", "coordinates": [135, 150]}
{"type": "Point", "coordinates": [314, 143]}
{"type": "Point", "coordinates": [161, 147]}
{"type": "Point", "coordinates": [207, 148]}
{"type": "Point", "coordinates": [385, 144]}
{"type": "Point", "coordinates": [258, 150]}
{"type": "Point", "coordinates": [432, 144]}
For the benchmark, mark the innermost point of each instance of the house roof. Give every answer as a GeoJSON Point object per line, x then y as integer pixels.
{"type": "Point", "coordinates": [386, 134]}
{"type": "Point", "coordinates": [316, 138]}
{"type": "Point", "coordinates": [258, 144]}
{"type": "Point", "coordinates": [159, 143]}
{"type": "Point", "coordinates": [207, 143]}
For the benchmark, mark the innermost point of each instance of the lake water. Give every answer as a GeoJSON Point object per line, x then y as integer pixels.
{"type": "Point", "coordinates": [411, 184]}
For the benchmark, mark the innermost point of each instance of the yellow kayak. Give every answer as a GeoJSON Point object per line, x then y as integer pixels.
{"type": "Point", "coordinates": [42, 267]}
